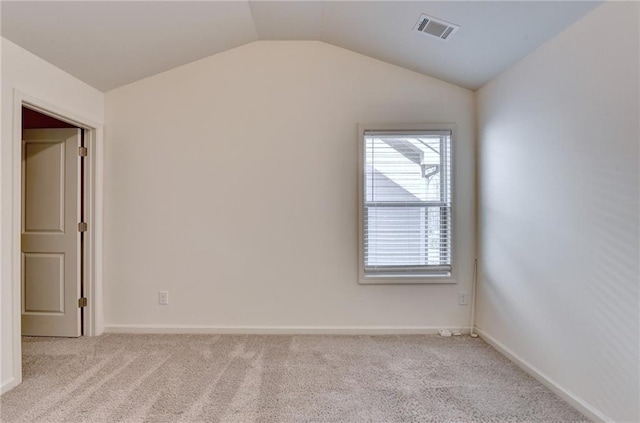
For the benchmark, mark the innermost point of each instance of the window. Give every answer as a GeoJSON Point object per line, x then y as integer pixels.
{"type": "Point", "coordinates": [406, 205]}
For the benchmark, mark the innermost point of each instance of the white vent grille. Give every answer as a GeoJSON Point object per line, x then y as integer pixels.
{"type": "Point", "coordinates": [435, 27]}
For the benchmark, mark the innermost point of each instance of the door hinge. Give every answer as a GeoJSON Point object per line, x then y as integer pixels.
{"type": "Point", "coordinates": [82, 227]}
{"type": "Point", "coordinates": [82, 302]}
{"type": "Point", "coordinates": [83, 152]}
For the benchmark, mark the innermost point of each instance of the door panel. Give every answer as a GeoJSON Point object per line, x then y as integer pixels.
{"type": "Point", "coordinates": [43, 283]}
{"type": "Point", "coordinates": [44, 186]}
{"type": "Point", "coordinates": [50, 237]}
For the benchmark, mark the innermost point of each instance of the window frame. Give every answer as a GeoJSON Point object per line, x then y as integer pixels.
{"type": "Point", "coordinates": [395, 279]}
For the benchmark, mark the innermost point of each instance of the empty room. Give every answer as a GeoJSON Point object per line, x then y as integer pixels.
{"type": "Point", "coordinates": [320, 211]}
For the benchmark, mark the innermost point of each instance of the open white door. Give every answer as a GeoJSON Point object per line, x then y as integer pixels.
{"type": "Point", "coordinates": [50, 232]}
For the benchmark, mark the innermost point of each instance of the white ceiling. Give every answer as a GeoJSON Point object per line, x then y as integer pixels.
{"type": "Point", "coordinates": [111, 43]}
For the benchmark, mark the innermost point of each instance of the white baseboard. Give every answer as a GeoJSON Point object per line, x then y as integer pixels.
{"type": "Point", "coordinates": [277, 330]}
{"type": "Point", "coordinates": [589, 411]}
{"type": "Point", "coordinates": [8, 385]}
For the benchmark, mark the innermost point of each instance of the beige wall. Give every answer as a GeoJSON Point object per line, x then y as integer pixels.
{"type": "Point", "coordinates": [37, 78]}
{"type": "Point", "coordinates": [231, 182]}
{"type": "Point", "coordinates": [558, 211]}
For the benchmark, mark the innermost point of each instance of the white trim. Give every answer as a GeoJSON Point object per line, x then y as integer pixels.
{"type": "Point", "coordinates": [97, 217]}
{"type": "Point", "coordinates": [16, 212]}
{"type": "Point", "coordinates": [52, 110]}
{"type": "Point", "coordinates": [280, 330]}
{"type": "Point", "coordinates": [590, 412]}
{"type": "Point", "coordinates": [8, 385]}
{"type": "Point", "coordinates": [92, 313]}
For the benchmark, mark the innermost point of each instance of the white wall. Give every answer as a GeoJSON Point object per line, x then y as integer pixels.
{"type": "Point", "coordinates": [558, 211]}
{"type": "Point", "coordinates": [31, 75]}
{"type": "Point", "coordinates": [231, 182]}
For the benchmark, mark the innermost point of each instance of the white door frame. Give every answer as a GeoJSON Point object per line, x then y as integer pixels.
{"type": "Point", "coordinates": [94, 133]}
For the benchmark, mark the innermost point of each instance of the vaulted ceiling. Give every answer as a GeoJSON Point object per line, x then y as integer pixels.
{"type": "Point", "coordinates": [111, 43]}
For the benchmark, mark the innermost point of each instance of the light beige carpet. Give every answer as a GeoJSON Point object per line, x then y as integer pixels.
{"type": "Point", "coordinates": [251, 378]}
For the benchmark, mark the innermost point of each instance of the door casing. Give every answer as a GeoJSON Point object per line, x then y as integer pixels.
{"type": "Point", "coordinates": [93, 203]}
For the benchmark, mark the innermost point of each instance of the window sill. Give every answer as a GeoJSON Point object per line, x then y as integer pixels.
{"type": "Point", "coordinates": [407, 280]}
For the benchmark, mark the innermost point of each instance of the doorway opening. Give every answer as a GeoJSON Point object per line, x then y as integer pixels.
{"type": "Point", "coordinates": [93, 134]}
{"type": "Point", "coordinates": [52, 242]}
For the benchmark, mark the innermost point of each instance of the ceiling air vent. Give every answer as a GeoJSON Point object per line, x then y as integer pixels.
{"type": "Point", "coordinates": [435, 27]}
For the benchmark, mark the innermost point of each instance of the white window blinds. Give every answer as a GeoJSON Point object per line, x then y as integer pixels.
{"type": "Point", "coordinates": [407, 203]}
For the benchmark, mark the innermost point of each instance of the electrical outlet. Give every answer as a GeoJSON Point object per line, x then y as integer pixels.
{"type": "Point", "coordinates": [163, 297]}
{"type": "Point", "coordinates": [463, 298]}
